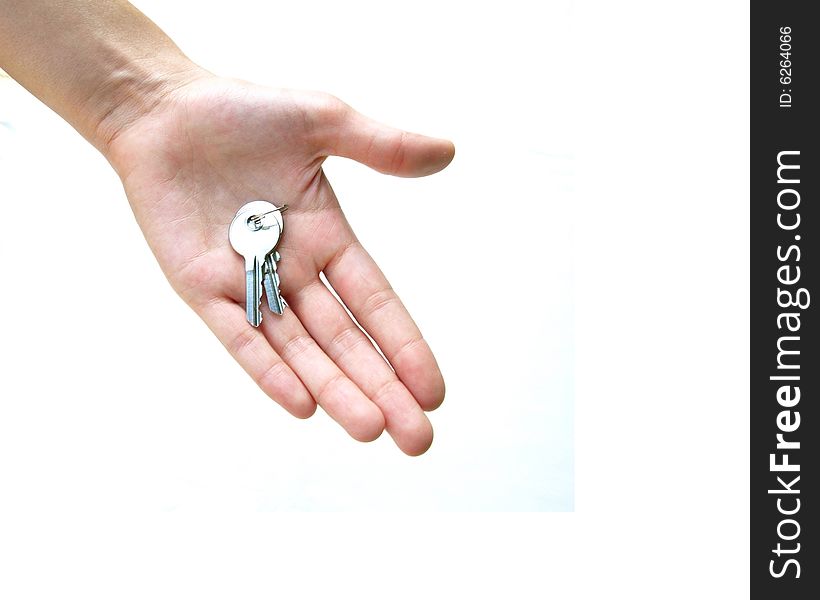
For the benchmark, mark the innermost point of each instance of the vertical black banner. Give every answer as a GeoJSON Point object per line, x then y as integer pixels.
{"type": "Point", "coordinates": [785, 225]}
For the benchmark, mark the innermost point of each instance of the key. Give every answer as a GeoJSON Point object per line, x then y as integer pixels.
{"type": "Point", "coordinates": [275, 301]}
{"type": "Point", "coordinates": [263, 215]}
{"type": "Point", "coordinates": [265, 220]}
{"type": "Point", "coordinates": [256, 245]}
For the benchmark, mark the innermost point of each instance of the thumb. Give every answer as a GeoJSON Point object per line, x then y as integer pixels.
{"type": "Point", "coordinates": [387, 149]}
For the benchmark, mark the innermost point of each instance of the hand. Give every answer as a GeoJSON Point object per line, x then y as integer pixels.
{"type": "Point", "coordinates": [214, 144]}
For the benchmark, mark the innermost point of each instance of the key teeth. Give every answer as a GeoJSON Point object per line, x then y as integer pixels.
{"type": "Point", "coordinates": [271, 280]}
{"type": "Point", "coordinates": [274, 299]}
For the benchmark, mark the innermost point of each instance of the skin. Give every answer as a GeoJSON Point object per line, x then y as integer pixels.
{"type": "Point", "coordinates": [191, 148]}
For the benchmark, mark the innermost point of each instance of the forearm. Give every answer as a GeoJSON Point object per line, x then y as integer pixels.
{"type": "Point", "coordinates": [100, 64]}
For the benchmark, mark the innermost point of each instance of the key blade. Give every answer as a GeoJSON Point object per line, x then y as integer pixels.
{"type": "Point", "coordinates": [275, 302]}
{"type": "Point", "coordinates": [253, 294]}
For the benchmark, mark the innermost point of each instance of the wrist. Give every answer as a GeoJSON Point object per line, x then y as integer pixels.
{"type": "Point", "coordinates": [131, 91]}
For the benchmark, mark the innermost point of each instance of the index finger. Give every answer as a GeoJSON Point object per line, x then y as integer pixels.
{"type": "Point", "coordinates": [365, 290]}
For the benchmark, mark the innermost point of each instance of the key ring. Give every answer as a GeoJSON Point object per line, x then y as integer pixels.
{"type": "Point", "coordinates": [255, 221]}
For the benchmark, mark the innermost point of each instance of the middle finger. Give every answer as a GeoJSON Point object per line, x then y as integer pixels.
{"type": "Point", "coordinates": [345, 343]}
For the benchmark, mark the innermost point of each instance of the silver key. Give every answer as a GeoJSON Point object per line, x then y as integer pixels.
{"type": "Point", "coordinates": [255, 245]}
{"type": "Point", "coordinates": [271, 278]}
{"type": "Point", "coordinates": [265, 220]}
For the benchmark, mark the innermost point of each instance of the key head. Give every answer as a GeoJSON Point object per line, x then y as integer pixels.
{"type": "Point", "coordinates": [252, 243]}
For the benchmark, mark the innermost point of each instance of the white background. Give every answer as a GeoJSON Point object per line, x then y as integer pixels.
{"type": "Point", "coordinates": [482, 255]}
{"type": "Point", "coordinates": [623, 124]}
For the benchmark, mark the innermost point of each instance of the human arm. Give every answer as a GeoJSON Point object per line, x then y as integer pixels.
{"type": "Point", "coordinates": [190, 149]}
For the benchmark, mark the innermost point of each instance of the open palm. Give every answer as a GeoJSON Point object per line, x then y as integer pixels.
{"type": "Point", "coordinates": [215, 144]}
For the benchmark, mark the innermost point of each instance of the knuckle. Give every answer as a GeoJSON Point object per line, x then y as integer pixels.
{"type": "Point", "coordinates": [296, 346]}
{"type": "Point", "coordinates": [388, 387]}
{"type": "Point", "coordinates": [242, 341]}
{"type": "Point", "coordinates": [327, 109]}
{"type": "Point", "coordinates": [341, 255]}
{"type": "Point", "coordinates": [328, 386]}
{"type": "Point", "coordinates": [378, 301]}
{"type": "Point", "coordinates": [273, 374]}
{"type": "Point", "coordinates": [323, 114]}
{"type": "Point", "coordinates": [408, 346]}
{"type": "Point", "coordinates": [399, 153]}
{"type": "Point", "coordinates": [345, 341]}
